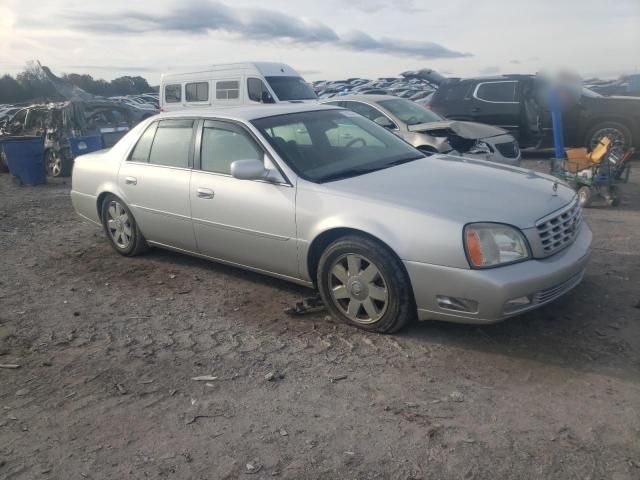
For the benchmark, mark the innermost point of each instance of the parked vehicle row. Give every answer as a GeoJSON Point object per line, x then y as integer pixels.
{"type": "Point", "coordinates": [411, 88]}
{"type": "Point", "coordinates": [324, 197]}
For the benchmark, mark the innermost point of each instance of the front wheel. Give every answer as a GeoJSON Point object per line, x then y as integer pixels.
{"type": "Point", "coordinates": [121, 228]}
{"type": "Point", "coordinates": [364, 284]}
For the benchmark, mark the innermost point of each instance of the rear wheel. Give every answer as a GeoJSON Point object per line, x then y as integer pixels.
{"type": "Point", "coordinates": [619, 135]}
{"type": "Point", "coordinates": [121, 228]}
{"type": "Point", "coordinates": [364, 284]}
{"type": "Point", "coordinates": [56, 164]}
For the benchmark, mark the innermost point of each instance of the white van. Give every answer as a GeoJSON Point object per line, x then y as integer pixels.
{"type": "Point", "coordinates": [233, 84]}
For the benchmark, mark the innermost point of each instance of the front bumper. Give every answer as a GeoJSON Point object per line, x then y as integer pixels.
{"type": "Point", "coordinates": [542, 281]}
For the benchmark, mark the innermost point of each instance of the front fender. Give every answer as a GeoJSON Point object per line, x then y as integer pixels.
{"type": "Point", "coordinates": [413, 235]}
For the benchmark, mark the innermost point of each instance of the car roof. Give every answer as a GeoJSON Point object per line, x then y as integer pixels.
{"type": "Point", "coordinates": [249, 112]}
{"type": "Point", "coordinates": [362, 98]}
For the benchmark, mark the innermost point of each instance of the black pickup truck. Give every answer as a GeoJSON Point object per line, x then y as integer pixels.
{"type": "Point", "coordinates": [509, 102]}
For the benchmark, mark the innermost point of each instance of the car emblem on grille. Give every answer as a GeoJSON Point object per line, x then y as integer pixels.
{"type": "Point", "coordinates": [555, 189]}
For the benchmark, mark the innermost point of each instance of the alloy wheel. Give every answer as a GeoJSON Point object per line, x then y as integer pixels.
{"type": "Point", "coordinates": [119, 224]}
{"type": "Point", "coordinates": [358, 288]}
{"type": "Point", "coordinates": [54, 164]}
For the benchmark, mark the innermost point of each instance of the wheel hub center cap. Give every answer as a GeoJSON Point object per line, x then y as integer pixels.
{"type": "Point", "coordinates": [358, 289]}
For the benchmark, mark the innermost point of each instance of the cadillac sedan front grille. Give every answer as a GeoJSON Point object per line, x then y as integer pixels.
{"type": "Point", "coordinates": [558, 231]}
{"type": "Point", "coordinates": [556, 291]}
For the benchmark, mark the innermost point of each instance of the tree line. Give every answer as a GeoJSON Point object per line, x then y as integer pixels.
{"type": "Point", "coordinates": [32, 85]}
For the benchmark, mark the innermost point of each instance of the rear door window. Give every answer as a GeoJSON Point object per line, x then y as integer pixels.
{"type": "Point", "coordinates": [173, 93]}
{"type": "Point", "coordinates": [500, 92]}
{"type": "Point", "coordinates": [228, 90]}
{"type": "Point", "coordinates": [197, 92]}
{"type": "Point", "coordinates": [172, 143]}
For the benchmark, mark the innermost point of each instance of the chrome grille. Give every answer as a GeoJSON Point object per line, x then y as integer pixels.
{"type": "Point", "coordinates": [549, 294]}
{"type": "Point", "coordinates": [560, 229]}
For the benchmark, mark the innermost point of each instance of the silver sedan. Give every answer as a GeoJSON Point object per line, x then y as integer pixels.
{"type": "Point", "coordinates": [325, 198]}
{"type": "Point", "coordinates": [431, 133]}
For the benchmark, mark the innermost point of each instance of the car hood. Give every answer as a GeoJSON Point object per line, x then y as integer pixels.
{"type": "Point", "coordinates": [460, 189]}
{"type": "Point", "coordinates": [469, 130]}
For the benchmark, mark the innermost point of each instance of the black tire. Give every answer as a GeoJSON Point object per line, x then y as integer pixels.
{"type": "Point", "coordinates": [136, 243]}
{"type": "Point", "coordinates": [4, 168]}
{"type": "Point", "coordinates": [57, 164]}
{"type": "Point", "coordinates": [400, 306]}
{"type": "Point", "coordinates": [621, 143]}
{"type": "Point", "coordinates": [585, 196]}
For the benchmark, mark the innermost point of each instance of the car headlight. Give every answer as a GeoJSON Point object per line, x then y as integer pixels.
{"type": "Point", "coordinates": [493, 244]}
{"type": "Point", "coordinates": [479, 148]}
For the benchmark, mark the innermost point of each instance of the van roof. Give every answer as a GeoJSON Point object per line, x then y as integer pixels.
{"type": "Point", "coordinates": [267, 69]}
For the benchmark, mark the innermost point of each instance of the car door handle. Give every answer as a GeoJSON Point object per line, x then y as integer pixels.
{"type": "Point", "coordinates": [131, 180]}
{"type": "Point", "coordinates": [476, 109]}
{"type": "Point", "coordinates": [205, 193]}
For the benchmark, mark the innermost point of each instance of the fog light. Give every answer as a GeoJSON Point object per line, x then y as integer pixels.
{"type": "Point", "coordinates": [517, 304]}
{"type": "Point", "coordinates": [457, 304]}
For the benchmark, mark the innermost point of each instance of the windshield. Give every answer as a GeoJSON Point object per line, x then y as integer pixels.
{"type": "Point", "coordinates": [410, 112]}
{"type": "Point", "coordinates": [332, 144]}
{"type": "Point", "coordinates": [291, 88]}
{"type": "Point", "coordinates": [590, 93]}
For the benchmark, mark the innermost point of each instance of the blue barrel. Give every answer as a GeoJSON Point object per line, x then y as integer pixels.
{"type": "Point", "coordinates": [81, 145]}
{"type": "Point", "coordinates": [25, 159]}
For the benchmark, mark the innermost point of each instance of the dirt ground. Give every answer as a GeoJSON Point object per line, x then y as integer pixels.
{"type": "Point", "coordinates": [108, 348]}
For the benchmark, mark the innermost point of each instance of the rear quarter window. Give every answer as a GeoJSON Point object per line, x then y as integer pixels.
{"type": "Point", "coordinates": [456, 92]}
{"type": "Point", "coordinates": [497, 91]}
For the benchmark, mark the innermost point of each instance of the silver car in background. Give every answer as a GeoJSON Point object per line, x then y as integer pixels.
{"type": "Point", "coordinates": [432, 133]}
{"type": "Point", "coordinates": [324, 197]}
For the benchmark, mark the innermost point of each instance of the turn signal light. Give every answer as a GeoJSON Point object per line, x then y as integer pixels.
{"type": "Point", "coordinates": [474, 249]}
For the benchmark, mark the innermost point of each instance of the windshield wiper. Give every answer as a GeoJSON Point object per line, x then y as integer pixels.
{"type": "Point", "coordinates": [354, 172]}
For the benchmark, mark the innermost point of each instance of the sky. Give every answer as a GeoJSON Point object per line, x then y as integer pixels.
{"type": "Point", "coordinates": [328, 39]}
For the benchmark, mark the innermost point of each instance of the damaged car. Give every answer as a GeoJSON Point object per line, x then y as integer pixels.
{"type": "Point", "coordinates": [432, 133]}
{"type": "Point", "coordinates": [61, 122]}
{"type": "Point", "coordinates": [79, 123]}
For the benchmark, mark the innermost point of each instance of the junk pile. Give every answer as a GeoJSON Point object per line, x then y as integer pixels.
{"type": "Point", "coordinates": [80, 124]}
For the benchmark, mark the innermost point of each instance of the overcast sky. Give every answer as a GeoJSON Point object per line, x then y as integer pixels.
{"type": "Point", "coordinates": [328, 39]}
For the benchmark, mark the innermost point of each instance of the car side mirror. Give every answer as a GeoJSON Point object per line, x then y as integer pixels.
{"type": "Point", "coordinates": [384, 122]}
{"type": "Point", "coordinates": [253, 169]}
{"type": "Point", "coordinates": [266, 97]}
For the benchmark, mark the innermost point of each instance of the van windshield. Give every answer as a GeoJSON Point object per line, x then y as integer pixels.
{"type": "Point", "coordinates": [291, 88]}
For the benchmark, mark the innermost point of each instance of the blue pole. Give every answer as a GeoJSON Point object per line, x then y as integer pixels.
{"type": "Point", "coordinates": [556, 120]}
